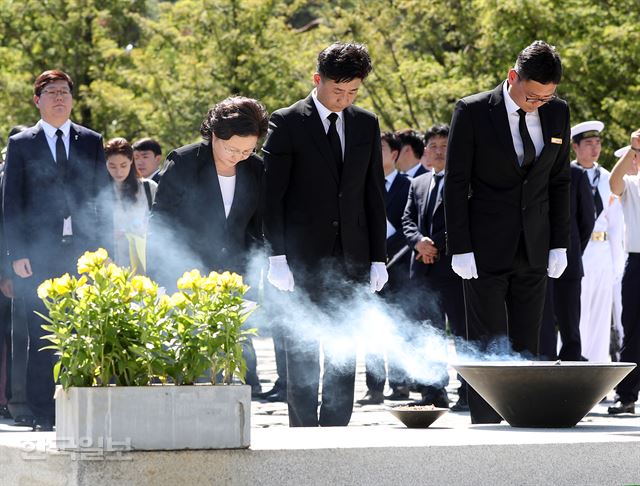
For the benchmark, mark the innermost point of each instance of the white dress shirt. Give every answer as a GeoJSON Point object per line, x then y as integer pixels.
{"type": "Point", "coordinates": [324, 112]}
{"type": "Point", "coordinates": [52, 139]}
{"type": "Point", "coordinates": [228, 190]}
{"type": "Point", "coordinates": [388, 182]}
{"type": "Point", "coordinates": [531, 119]}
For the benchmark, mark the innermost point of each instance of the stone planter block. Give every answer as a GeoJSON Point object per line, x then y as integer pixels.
{"type": "Point", "coordinates": [159, 417]}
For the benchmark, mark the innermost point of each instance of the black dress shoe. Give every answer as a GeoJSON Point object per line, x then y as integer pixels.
{"type": "Point", "coordinates": [275, 390]}
{"type": "Point", "coordinates": [400, 393]}
{"type": "Point", "coordinates": [43, 424]}
{"type": "Point", "coordinates": [256, 391]}
{"type": "Point", "coordinates": [4, 412]}
{"type": "Point", "coordinates": [279, 396]}
{"type": "Point", "coordinates": [438, 399]}
{"type": "Point", "coordinates": [622, 407]}
{"type": "Point", "coordinates": [460, 406]}
{"type": "Point", "coordinates": [24, 421]}
{"type": "Point", "coordinates": [373, 397]}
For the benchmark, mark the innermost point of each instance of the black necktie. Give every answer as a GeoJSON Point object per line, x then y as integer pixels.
{"type": "Point", "coordinates": [334, 141]}
{"type": "Point", "coordinates": [597, 199]}
{"type": "Point", "coordinates": [61, 154]}
{"type": "Point", "coordinates": [61, 161]}
{"type": "Point", "coordinates": [529, 148]}
{"type": "Point", "coordinates": [433, 197]}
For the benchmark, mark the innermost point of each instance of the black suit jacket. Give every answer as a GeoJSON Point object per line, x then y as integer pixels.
{"type": "Point", "coordinates": [308, 205]}
{"type": "Point", "coordinates": [490, 200]}
{"type": "Point", "coordinates": [34, 197]}
{"type": "Point", "coordinates": [582, 211]}
{"type": "Point", "coordinates": [188, 227]}
{"type": "Point", "coordinates": [395, 199]}
{"type": "Point", "coordinates": [414, 225]}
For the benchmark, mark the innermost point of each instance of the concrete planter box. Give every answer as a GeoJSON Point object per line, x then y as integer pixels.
{"type": "Point", "coordinates": [160, 417]}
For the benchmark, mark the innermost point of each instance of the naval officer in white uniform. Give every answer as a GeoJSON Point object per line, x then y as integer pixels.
{"type": "Point", "coordinates": [603, 259]}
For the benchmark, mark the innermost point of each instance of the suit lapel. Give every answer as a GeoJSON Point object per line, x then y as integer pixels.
{"type": "Point", "coordinates": [319, 135]}
{"type": "Point", "coordinates": [392, 193]}
{"type": "Point", "coordinates": [242, 191]}
{"type": "Point", "coordinates": [208, 177]}
{"type": "Point", "coordinates": [350, 135]}
{"type": "Point", "coordinates": [498, 115]}
{"type": "Point", "coordinates": [44, 151]}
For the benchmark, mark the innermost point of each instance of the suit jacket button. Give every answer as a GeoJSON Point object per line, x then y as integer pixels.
{"type": "Point", "coordinates": [524, 207]}
{"type": "Point", "coordinates": [340, 194]}
{"type": "Point", "coordinates": [525, 181]}
{"type": "Point", "coordinates": [335, 224]}
{"type": "Point", "coordinates": [223, 250]}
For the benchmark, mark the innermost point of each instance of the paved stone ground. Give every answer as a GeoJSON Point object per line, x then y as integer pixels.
{"type": "Point", "coordinates": [265, 414]}
{"type": "Point", "coordinates": [271, 415]}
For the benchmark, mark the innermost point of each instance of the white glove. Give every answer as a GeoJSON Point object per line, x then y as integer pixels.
{"type": "Point", "coordinates": [557, 262]}
{"type": "Point", "coordinates": [464, 265]}
{"type": "Point", "coordinates": [279, 274]}
{"type": "Point", "coordinates": [378, 276]}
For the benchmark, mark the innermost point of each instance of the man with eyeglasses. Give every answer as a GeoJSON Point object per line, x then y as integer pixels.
{"type": "Point", "coordinates": [507, 204]}
{"type": "Point", "coordinates": [56, 207]}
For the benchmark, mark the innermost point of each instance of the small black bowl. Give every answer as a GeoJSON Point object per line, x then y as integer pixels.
{"type": "Point", "coordinates": [417, 417]}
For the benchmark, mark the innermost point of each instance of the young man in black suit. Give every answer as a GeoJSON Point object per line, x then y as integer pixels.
{"type": "Point", "coordinates": [437, 289]}
{"type": "Point", "coordinates": [562, 304]}
{"type": "Point", "coordinates": [507, 203]}
{"type": "Point", "coordinates": [325, 219]}
{"type": "Point", "coordinates": [56, 204]}
{"type": "Point", "coordinates": [411, 152]}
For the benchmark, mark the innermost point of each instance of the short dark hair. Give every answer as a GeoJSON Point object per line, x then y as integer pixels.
{"type": "Point", "coordinates": [343, 62]}
{"type": "Point", "coordinates": [539, 62]}
{"type": "Point", "coordinates": [412, 138]}
{"type": "Point", "coordinates": [437, 130]}
{"type": "Point", "coordinates": [121, 146]}
{"type": "Point", "coordinates": [148, 144]}
{"type": "Point", "coordinates": [48, 77]}
{"type": "Point", "coordinates": [235, 115]}
{"type": "Point", "coordinates": [392, 141]}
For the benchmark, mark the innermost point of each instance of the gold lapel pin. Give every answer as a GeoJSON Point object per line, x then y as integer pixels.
{"type": "Point", "coordinates": [556, 140]}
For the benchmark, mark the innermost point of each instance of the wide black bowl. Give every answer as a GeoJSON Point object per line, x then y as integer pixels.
{"type": "Point", "coordinates": [543, 393]}
{"type": "Point", "coordinates": [417, 417]}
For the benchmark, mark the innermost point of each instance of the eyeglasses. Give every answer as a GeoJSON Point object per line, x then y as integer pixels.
{"type": "Point", "coordinates": [536, 99]}
{"type": "Point", "coordinates": [540, 100]}
{"type": "Point", "coordinates": [234, 151]}
{"type": "Point", "coordinates": [61, 93]}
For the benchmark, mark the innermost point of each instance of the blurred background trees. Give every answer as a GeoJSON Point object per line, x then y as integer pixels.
{"type": "Point", "coordinates": [153, 68]}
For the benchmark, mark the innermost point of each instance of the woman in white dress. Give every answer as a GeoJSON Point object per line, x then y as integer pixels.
{"type": "Point", "coordinates": [133, 199]}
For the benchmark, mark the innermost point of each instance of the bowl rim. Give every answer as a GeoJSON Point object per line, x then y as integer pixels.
{"type": "Point", "coordinates": [542, 364]}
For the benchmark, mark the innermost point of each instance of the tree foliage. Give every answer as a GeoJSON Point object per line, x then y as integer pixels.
{"type": "Point", "coordinates": [185, 55]}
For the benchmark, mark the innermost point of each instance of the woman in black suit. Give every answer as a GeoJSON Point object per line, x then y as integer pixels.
{"type": "Point", "coordinates": [208, 208]}
{"type": "Point", "coordinates": [207, 211]}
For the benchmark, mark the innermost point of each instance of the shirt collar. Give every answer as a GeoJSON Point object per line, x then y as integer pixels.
{"type": "Point", "coordinates": [391, 177]}
{"type": "Point", "coordinates": [412, 172]}
{"type": "Point", "coordinates": [441, 173]}
{"type": "Point", "coordinates": [50, 130]}
{"type": "Point", "coordinates": [512, 106]}
{"type": "Point", "coordinates": [323, 111]}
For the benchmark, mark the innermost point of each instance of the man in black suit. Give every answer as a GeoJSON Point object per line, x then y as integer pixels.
{"type": "Point", "coordinates": [395, 199]}
{"type": "Point", "coordinates": [147, 155]}
{"type": "Point", "coordinates": [507, 203]}
{"type": "Point", "coordinates": [437, 289]}
{"type": "Point", "coordinates": [56, 204]}
{"type": "Point", "coordinates": [562, 304]}
{"type": "Point", "coordinates": [411, 151]}
{"type": "Point", "coordinates": [325, 220]}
